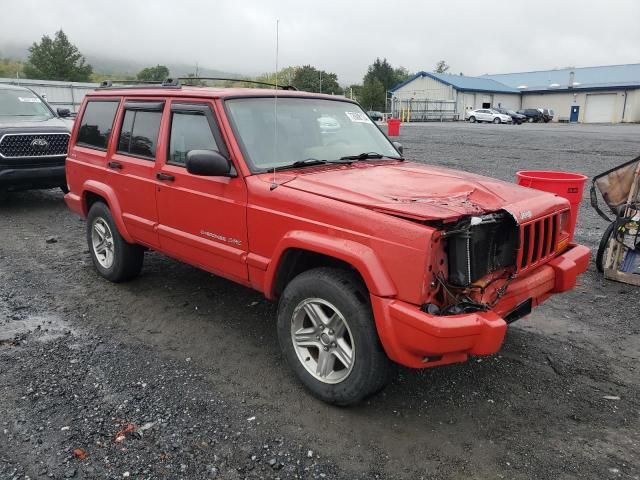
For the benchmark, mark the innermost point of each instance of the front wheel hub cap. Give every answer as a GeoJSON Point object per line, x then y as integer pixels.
{"type": "Point", "coordinates": [322, 340]}
{"type": "Point", "coordinates": [102, 243]}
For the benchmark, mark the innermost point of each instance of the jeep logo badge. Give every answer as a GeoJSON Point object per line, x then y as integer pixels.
{"type": "Point", "coordinates": [39, 143]}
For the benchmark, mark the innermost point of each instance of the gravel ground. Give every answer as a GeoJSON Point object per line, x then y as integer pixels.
{"type": "Point", "coordinates": [178, 373]}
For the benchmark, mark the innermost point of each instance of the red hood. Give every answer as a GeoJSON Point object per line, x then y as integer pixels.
{"type": "Point", "coordinates": [419, 191]}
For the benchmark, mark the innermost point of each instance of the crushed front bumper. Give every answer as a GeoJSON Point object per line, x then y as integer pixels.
{"type": "Point", "coordinates": [416, 339]}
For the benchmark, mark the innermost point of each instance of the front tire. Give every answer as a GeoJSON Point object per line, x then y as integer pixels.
{"type": "Point", "coordinates": [530, 120]}
{"type": "Point", "coordinates": [114, 258]}
{"type": "Point", "coordinates": [328, 336]}
{"type": "Point", "coordinates": [497, 121]}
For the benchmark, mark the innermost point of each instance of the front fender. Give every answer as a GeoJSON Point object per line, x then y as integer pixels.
{"type": "Point", "coordinates": [109, 195]}
{"type": "Point", "coordinates": [358, 255]}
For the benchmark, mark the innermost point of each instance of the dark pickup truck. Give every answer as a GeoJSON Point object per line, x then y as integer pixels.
{"type": "Point", "coordinates": [33, 141]}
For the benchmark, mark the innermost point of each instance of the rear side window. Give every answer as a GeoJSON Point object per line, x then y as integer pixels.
{"type": "Point", "coordinates": [139, 133]}
{"type": "Point", "coordinates": [96, 124]}
{"type": "Point", "coordinates": [189, 131]}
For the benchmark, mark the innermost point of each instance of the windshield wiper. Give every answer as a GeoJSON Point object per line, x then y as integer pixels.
{"type": "Point", "coordinates": [362, 156]}
{"type": "Point", "coordinates": [309, 162]}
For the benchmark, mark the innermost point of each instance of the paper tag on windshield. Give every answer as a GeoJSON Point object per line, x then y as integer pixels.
{"type": "Point", "coordinates": [357, 117]}
{"type": "Point", "coordinates": [29, 99]}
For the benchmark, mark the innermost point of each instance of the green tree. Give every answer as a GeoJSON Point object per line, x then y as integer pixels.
{"type": "Point", "coordinates": [353, 91]}
{"type": "Point", "coordinates": [155, 74]}
{"type": "Point", "coordinates": [380, 73]}
{"type": "Point", "coordinates": [441, 67]}
{"type": "Point", "coordinates": [10, 68]}
{"type": "Point", "coordinates": [310, 79]}
{"type": "Point", "coordinates": [401, 74]}
{"type": "Point", "coordinates": [372, 95]}
{"type": "Point", "coordinates": [57, 59]}
{"type": "Point", "coordinates": [285, 77]}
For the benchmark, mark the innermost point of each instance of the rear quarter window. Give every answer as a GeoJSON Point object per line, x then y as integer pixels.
{"type": "Point", "coordinates": [96, 123]}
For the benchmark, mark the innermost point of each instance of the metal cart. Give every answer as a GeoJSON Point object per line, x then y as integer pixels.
{"type": "Point", "coordinates": [618, 255]}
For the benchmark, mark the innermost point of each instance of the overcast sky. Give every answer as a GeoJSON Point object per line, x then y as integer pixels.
{"type": "Point", "coordinates": [474, 37]}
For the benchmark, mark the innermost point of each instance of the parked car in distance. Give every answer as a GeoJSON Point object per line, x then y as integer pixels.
{"type": "Point", "coordinates": [547, 114]}
{"type": "Point", "coordinates": [377, 116]}
{"type": "Point", "coordinates": [517, 118]}
{"type": "Point", "coordinates": [487, 115]}
{"type": "Point", "coordinates": [373, 260]}
{"type": "Point", "coordinates": [33, 141]}
{"type": "Point", "coordinates": [533, 115]}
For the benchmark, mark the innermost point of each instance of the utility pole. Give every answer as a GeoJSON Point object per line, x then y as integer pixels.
{"type": "Point", "coordinates": [320, 81]}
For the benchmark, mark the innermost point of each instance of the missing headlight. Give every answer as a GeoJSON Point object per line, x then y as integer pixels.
{"type": "Point", "coordinates": [477, 246]}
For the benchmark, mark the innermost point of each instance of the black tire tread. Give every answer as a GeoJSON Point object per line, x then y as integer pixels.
{"type": "Point", "coordinates": [129, 258]}
{"type": "Point", "coordinates": [379, 370]}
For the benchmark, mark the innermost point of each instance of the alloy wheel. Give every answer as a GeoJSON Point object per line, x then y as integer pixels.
{"type": "Point", "coordinates": [322, 340]}
{"type": "Point", "coordinates": [102, 242]}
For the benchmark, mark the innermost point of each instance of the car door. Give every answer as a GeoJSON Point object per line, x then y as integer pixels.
{"type": "Point", "coordinates": [202, 219]}
{"type": "Point", "coordinates": [483, 115]}
{"type": "Point", "coordinates": [132, 167]}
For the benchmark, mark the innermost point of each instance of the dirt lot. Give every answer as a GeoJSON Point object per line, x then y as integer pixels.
{"type": "Point", "coordinates": [178, 373]}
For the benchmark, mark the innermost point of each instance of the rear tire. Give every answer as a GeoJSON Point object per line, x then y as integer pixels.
{"type": "Point", "coordinates": [472, 119]}
{"type": "Point", "coordinates": [325, 317]}
{"type": "Point", "coordinates": [603, 246]}
{"type": "Point", "coordinates": [114, 258]}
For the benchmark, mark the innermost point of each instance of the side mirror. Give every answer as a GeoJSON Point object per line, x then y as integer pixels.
{"type": "Point", "coordinates": [208, 163]}
{"type": "Point", "coordinates": [399, 147]}
{"type": "Point", "coordinates": [64, 112]}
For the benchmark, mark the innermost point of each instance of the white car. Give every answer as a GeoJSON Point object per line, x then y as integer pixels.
{"type": "Point", "coordinates": [487, 115]}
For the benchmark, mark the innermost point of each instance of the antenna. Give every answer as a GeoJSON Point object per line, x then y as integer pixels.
{"type": "Point", "coordinates": [274, 185]}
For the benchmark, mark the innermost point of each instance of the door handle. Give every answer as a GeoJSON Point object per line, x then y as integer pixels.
{"type": "Point", "coordinates": [165, 177]}
{"type": "Point", "coordinates": [115, 165]}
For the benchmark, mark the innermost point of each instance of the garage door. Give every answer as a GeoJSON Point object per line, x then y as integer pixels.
{"type": "Point", "coordinates": [599, 108]}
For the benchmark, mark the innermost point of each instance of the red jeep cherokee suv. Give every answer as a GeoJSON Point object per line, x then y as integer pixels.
{"type": "Point", "coordinates": [373, 259]}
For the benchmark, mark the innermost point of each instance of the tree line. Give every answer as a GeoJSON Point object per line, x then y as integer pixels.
{"type": "Point", "coordinates": [58, 59]}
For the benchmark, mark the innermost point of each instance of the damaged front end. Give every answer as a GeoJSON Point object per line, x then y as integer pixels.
{"type": "Point", "coordinates": [485, 253]}
{"type": "Point", "coordinates": [478, 246]}
{"type": "Point", "coordinates": [481, 254]}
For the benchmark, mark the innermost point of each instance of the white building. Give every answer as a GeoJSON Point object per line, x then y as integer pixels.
{"type": "Point", "coordinates": [428, 95]}
{"type": "Point", "coordinates": [608, 94]}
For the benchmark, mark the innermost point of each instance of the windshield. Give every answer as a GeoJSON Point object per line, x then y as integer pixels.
{"type": "Point", "coordinates": [22, 103]}
{"type": "Point", "coordinates": [307, 129]}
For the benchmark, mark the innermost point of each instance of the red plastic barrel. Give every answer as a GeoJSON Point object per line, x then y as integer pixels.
{"type": "Point", "coordinates": [394, 127]}
{"type": "Point", "coordinates": [565, 184]}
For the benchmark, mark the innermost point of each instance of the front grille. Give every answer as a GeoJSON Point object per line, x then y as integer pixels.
{"type": "Point", "coordinates": [538, 240]}
{"type": "Point", "coordinates": [34, 145]}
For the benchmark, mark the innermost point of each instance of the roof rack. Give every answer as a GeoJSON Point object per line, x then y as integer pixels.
{"type": "Point", "coordinates": [168, 83]}
{"type": "Point", "coordinates": [255, 82]}
{"type": "Point", "coordinates": [176, 83]}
